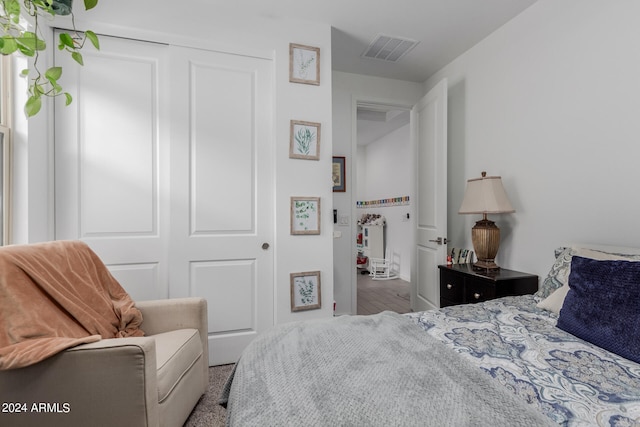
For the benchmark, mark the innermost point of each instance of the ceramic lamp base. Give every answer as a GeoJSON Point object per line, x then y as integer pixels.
{"type": "Point", "coordinates": [485, 236]}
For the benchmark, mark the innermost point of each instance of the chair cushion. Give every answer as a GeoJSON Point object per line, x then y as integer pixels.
{"type": "Point", "coordinates": [176, 352]}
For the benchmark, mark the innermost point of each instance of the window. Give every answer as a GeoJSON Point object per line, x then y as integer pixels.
{"type": "Point", "coordinates": [5, 149]}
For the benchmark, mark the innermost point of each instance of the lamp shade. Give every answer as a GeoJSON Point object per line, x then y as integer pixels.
{"type": "Point", "coordinates": [485, 195]}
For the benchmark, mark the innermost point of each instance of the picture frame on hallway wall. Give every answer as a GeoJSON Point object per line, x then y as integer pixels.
{"type": "Point", "coordinates": [338, 174]}
{"type": "Point", "coordinates": [304, 64]}
{"type": "Point", "coordinates": [304, 140]}
{"type": "Point", "coordinates": [305, 215]}
{"type": "Point", "coordinates": [305, 291]}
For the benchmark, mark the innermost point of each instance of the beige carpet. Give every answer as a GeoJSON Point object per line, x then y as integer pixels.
{"type": "Point", "coordinates": [207, 412]}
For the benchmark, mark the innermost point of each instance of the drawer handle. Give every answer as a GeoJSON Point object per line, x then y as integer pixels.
{"type": "Point", "coordinates": [476, 295]}
{"type": "Point", "coordinates": [449, 286]}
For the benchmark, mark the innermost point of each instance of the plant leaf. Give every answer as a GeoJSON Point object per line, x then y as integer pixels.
{"type": "Point", "coordinates": [32, 105]}
{"type": "Point", "coordinates": [12, 7]}
{"type": "Point", "coordinates": [93, 39]}
{"type": "Point", "coordinates": [9, 46]}
{"type": "Point", "coordinates": [68, 98]}
{"type": "Point", "coordinates": [53, 73]}
{"type": "Point", "coordinates": [38, 90]}
{"type": "Point", "coordinates": [31, 42]}
{"type": "Point", "coordinates": [66, 40]}
{"type": "Point", "coordinates": [77, 57]}
{"type": "Point", "coordinates": [90, 4]}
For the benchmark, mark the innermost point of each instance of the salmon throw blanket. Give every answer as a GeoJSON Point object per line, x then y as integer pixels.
{"type": "Point", "coordinates": [57, 295]}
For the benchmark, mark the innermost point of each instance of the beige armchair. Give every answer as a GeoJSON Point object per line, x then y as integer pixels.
{"type": "Point", "coordinates": [154, 380]}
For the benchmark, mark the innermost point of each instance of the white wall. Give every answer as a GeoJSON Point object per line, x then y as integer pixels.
{"type": "Point", "coordinates": [263, 37]}
{"type": "Point", "coordinates": [386, 175]}
{"type": "Point", "coordinates": [348, 89]}
{"type": "Point", "coordinates": [551, 102]}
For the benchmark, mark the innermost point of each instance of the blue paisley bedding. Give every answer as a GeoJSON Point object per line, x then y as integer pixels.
{"type": "Point", "coordinates": [573, 382]}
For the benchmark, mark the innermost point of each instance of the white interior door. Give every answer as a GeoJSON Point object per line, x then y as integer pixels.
{"type": "Point", "coordinates": [111, 161]}
{"type": "Point", "coordinates": [222, 193]}
{"type": "Point", "coordinates": [429, 122]}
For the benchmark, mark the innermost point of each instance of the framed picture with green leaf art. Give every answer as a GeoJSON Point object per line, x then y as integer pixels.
{"type": "Point", "coordinates": [305, 215]}
{"type": "Point", "coordinates": [305, 291]}
{"type": "Point", "coordinates": [304, 64]}
{"type": "Point", "coordinates": [304, 140]}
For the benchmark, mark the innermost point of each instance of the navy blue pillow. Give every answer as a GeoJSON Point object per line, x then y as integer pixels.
{"type": "Point", "coordinates": [603, 305]}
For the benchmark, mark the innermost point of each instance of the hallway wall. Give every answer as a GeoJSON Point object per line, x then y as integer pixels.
{"type": "Point", "coordinates": [385, 172]}
{"type": "Point", "coordinates": [347, 90]}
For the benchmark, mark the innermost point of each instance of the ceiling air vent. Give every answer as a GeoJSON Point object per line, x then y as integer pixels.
{"type": "Point", "coordinates": [389, 48]}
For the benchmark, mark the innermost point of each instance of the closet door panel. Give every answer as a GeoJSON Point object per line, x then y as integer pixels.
{"type": "Point", "coordinates": [222, 150]}
{"type": "Point", "coordinates": [118, 149]}
{"type": "Point", "coordinates": [222, 226]}
{"type": "Point", "coordinates": [111, 161]}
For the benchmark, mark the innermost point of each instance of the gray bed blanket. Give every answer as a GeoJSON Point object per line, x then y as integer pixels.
{"type": "Point", "coordinates": [380, 370]}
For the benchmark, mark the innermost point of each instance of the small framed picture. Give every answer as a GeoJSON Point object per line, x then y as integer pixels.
{"type": "Point", "coordinates": [305, 291]}
{"type": "Point", "coordinates": [338, 175]}
{"type": "Point", "coordinates": [304, 64]}
{"type": "Point", "coordinates": [304, 140]}
{"type": "Point", "coordinates": [305, 215]}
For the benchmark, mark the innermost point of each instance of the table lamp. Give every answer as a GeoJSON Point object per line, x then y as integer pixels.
{"type": "Point", "coordinates": [484, 196]}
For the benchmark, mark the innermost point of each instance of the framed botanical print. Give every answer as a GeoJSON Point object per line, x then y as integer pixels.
{"type": "Point", "coordinates": [305, 215]}
{"type": "Point", "coordinates": [304, 140]}
{"type": "Point", "coordinates": [304, 64]}
{"type": "Point", "coordinates": [305, 291]}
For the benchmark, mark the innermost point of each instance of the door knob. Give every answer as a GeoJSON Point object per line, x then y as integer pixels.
{"type": "Point", "coordinates": [265, 246]}
{"type": "Point", "coordinates": [440, 241]}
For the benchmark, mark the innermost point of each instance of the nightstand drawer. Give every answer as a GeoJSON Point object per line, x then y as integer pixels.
{"type": "Point", "coordinates": [478, 292]}
{"type": "Point", "coordinates": [451, 286]}
{"type": "Point", "coordinates": [462, 284]}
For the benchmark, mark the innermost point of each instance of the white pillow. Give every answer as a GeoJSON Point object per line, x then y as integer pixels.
{"type": "Point", "coordinates": [554, 301]}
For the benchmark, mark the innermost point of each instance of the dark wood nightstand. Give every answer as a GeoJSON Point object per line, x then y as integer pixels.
{"type": "Point", "coordinates": [461, 284]}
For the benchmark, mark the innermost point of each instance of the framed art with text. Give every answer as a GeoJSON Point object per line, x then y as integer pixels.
{"type": "Point", "coordinates": [305, 215]}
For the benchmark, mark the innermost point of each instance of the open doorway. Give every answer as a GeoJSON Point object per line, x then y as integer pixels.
{"type": "Point", "coordinates": [384, 219]}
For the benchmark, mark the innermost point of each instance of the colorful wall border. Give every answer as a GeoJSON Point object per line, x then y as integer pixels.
{"type": "Point", "coordinates": [393, 201]}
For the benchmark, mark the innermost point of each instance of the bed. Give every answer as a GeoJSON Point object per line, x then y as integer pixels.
{"type": "Point", "coordinates": [567, 355]}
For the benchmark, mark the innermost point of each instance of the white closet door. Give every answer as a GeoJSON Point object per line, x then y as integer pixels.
{"type": "Point", "coordinates": [111, 161]}
{"type": "Point", "coordinates": [222, 193]}
{"type": "Point", "coordinates": [164, 166]}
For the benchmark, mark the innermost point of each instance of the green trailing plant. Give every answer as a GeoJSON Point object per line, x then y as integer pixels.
{"type": "Point", "coordinates": [17, 39]}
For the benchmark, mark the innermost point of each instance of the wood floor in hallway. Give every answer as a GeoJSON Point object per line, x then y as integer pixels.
{"type": "Point", "coordinates": [375, 296]}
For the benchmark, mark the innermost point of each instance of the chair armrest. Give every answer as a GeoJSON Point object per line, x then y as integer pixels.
{"type": "Point", "coordinates": [177, 313]}
{"type": "Point", "coordinates": [112, 380]}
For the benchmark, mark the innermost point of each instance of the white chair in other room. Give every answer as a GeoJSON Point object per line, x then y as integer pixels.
{"type": "Point", "coordinates": [382, 268]}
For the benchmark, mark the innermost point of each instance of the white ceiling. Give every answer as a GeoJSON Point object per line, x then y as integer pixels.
{"type": "Point", "coordinates": [374, 123]}
{"type": "Point", "coordinates": [444, 28]}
